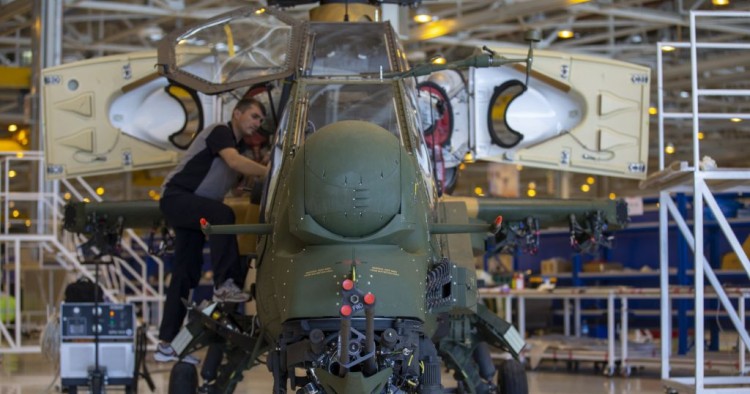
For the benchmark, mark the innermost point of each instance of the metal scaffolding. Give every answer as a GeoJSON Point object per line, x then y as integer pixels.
{"type": "Point", "coordinates": [702, 179]}
{"type": "Point", "coordinates": [38, 244]}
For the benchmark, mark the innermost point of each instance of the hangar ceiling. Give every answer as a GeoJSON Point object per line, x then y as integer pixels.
{"type": "Point", "coordinates": [626, 30]}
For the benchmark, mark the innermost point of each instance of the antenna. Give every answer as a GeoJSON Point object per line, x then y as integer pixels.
{"type": "Point", "coordinates": [531, 36]}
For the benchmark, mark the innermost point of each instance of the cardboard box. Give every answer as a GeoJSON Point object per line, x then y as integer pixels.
{"type": "Point", "coordinates": [555, 265]}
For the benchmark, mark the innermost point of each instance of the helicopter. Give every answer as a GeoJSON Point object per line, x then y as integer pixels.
{"type": "Point", "coordinates": [361, 284]}
{"type": "Point", "coordinates": [364, 283]}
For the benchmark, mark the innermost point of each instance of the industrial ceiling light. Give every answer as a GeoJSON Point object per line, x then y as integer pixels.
{"type": "Point", "coordinates": [565, 34]}
{"type": "Point", "coordinates": [12, 128]}
{"type": "Point", "coordinates": [422, 15]}
{"type": "Point", "coordinates": [669, 149]}
{"type": "Point", "coordinates": [438, 59]}
{"type": "Point", "coordinates": [153, 33]}
{"type": "Point", "coordinates": [585, 188]}
{"type": "Point", "coordinates": [652, 111]}
{"type": "Point", "coordinates": [612, 196]}
{"type": "Point", "coordinates": [720, 2]}
{"type": "Point", "coordinates": [531, 193]}
{"type": "Point", "coordinates": [735, 120]}
{"type": "Point", "coordinates": [667, 48]}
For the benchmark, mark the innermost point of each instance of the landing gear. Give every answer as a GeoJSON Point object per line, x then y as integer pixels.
{"type": "Point", "coordinates": [511, 378]}
{"type": "Point", "coordinates": [183, 379]}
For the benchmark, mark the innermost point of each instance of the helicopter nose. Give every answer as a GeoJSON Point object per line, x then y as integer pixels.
{"type": "Point", "coordinates": [352, 177]}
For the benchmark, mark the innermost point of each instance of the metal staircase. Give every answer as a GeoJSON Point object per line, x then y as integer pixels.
{"type": "Point", "coordinates": [701, 179]}
{"type": "Point", "coordinates": [35, 244]}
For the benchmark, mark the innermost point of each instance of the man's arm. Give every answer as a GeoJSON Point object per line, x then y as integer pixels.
{"type": "Point", "coordinates": [242, 164]}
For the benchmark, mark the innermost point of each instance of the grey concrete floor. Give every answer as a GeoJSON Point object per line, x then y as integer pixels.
{"type": "Point", "coordinates": [33, 374]}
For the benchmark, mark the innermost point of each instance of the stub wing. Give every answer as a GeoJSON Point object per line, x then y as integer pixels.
{"type": "Point", "coordinates": [516, 223]}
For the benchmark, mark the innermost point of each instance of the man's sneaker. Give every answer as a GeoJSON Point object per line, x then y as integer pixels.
{"type": "Point", "coordinates": [229, 292]}
{"type": "Point", "coordinates": [165, 354]}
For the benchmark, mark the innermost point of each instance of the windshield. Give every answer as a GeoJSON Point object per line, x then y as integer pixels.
{"type": "Point", "coordinates": [330, 103]}
{"type": "Point", "coordinates": [348, 49]}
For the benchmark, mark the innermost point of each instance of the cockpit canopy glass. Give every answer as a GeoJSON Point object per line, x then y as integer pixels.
{"type": "Point", "coordinates": [330, 103]}
{"type": "Point", "coordinates": [236, 49]}
{"type": "Point", "coordinates": [341, 49]}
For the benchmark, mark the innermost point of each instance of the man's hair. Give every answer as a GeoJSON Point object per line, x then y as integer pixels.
{"type": "Point", "coordinates": [244, 104]}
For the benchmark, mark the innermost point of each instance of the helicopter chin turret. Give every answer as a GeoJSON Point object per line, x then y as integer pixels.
{"type": "Point", "coordinates": [352, 183]}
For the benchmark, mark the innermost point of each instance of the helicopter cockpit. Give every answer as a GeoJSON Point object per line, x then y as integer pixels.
{"type": "Point", "coordinates": [365, 51]}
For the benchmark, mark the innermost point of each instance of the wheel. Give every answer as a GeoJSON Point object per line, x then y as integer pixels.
{"type": "Point", "coordinates": [511, 378]}
{"type": "Point", "coordinates": [183, 379]}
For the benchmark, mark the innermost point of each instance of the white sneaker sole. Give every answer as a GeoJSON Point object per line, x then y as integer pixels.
{"type": "Point", "coordinates": [166, 358]}
{"type": "Point", "coordinates": [235, 300]}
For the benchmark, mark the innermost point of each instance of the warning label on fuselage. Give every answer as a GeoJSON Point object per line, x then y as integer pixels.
{"type": "Point", "coordinates": [381, 270]}
{"type": "Point", "coordinates": [319, 271]}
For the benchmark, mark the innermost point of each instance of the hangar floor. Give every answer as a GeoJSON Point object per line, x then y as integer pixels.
{"type": "Point", "coordinates": [32, 374]}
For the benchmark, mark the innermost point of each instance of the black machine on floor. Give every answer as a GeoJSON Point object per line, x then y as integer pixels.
{"type": "Point", "coordinates": [98, 346]}
{"type": "Point", "coordinates": [101, 342]}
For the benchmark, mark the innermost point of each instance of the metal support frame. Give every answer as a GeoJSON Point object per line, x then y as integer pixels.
{"type": "Point", "coordinates": [695, 237]}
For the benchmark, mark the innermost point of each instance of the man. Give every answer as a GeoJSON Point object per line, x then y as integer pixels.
{"type": "Point", "coordinates": [195, 190]}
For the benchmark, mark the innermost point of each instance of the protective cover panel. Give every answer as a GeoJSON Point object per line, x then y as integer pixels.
{"type": "Point", "coordinates": [84, 136]}
{"type": "Point", "coordinates": [578, 113]}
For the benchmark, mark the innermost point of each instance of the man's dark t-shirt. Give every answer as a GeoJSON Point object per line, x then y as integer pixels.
{"type": "Point", "coordinates": [202, 171]}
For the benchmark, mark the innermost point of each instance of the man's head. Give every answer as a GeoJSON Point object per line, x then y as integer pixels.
{"type": "Point", "coordinates": [247, 116]}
